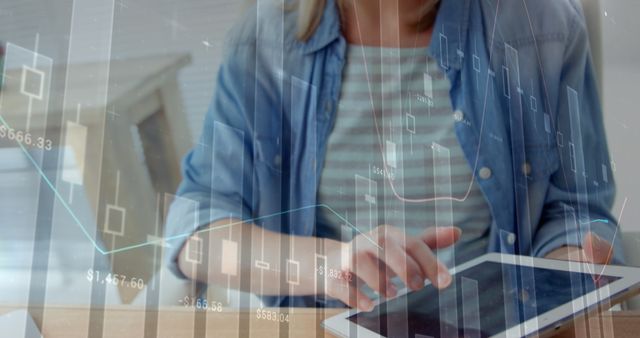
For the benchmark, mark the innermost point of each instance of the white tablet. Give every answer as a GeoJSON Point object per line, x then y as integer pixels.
{"type": "Point", "coordinates": [495, 295]}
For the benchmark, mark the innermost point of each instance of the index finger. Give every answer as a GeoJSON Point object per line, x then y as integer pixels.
{"type": "Point", "coordinates": [439, 237]}
{"type": "Point", "coordinates": [402, 264]}
{"type": "Point", "coordinates": [596, 249]}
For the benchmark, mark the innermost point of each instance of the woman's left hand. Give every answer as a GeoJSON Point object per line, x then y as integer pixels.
{"type": "Point", "coordinates": [594, 250]}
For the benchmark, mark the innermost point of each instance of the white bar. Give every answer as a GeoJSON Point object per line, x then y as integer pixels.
{"type": "Point", "coordinates": [320, 269]}
{"type": "Point", "coordinates": [470, 308]}
{"type": "Point", "coordinates": [263, 265]}
{"type": "Point", "coordinates": [547, 123]}
{"type": "Point", "coordinates": [293, 272]}
{"type": "Point", "coordinates": [444, 51]}
{"type": "Point", "coordinates": [229, 257]}
{"type": "Point", "coordinates": [577, 286]}
{"type": "Point", "coordinates": [604, 294]}
{"type": "Point", "coordinates": [509, 285]}
{"type": "Point", "coordinates": [366, 216]}
{"type": "Point", "coordinates": [194, 250]}
{"type": "Point", "coordinates": [75, 142]}
{"type": "Point", "coordinates": [411, 123]}
{"type": "Point", "coordinates": [442, 184]}
{"type": "Point", "coordinates": [444, 217]}
{"type": "Point", "coordinates": [428, 86]}
{"type": "Point", "coordinates": [391, 154]}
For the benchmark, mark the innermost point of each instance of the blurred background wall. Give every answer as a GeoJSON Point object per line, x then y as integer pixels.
{"type": "Point", "coordinates": [622, 115]}
{"type": "Point", "coordinates": [141, 28]}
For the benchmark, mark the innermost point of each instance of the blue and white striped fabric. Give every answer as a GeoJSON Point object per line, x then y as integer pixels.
{"type": "Point", "coordinates": [409, 95]}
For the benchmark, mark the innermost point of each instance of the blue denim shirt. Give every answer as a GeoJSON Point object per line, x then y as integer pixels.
{"type": "Point", "coordinates": [529, 123]}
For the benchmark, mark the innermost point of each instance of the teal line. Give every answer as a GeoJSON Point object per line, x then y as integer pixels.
{"type": "Point", "coordinates": [600, 220]}
{"type": "Point", "coordinates": [143, 244]}
{"type": "Point", "coordinates": [55, 191]}
{"type": "Point", "coordinates": [228, 225]}
{"type": "Point", "coordinates": [147, 243]}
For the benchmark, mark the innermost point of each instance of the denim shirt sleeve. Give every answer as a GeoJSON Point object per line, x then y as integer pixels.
{"type": "Point", "coordinates": [572, 191]}
{"type": "Point", "coordinates": [216, 172]}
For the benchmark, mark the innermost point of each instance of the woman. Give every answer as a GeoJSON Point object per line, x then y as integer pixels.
{"type": "Point", "coordinates": [334, 117]}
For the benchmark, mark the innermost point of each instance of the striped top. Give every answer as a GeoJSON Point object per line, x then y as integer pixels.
{"type": "Point", "coordinates": [409, 151]}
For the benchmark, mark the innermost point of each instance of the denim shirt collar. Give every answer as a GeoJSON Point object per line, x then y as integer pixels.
{"type": "Point", "coordinates": [328, 29]}
{"type": "Point", "coordinates": [449, 34]}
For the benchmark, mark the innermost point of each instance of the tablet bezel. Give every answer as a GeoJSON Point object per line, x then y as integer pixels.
{"type": "Point", "coordinates": [551, 321]}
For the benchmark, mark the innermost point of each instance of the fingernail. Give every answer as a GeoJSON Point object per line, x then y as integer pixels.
{"type": "Point", "coordinates": [444, 279]}
{"type": "Point", "coordinates": [392, 291]}
{"type": "Point", "coordinates": [365, 304]}
{"type": "Point", "coordinates": [417, 282]}
{"type": "Point", "coordinates": [458, 231]}
{"type": "Point", "coordinates": [596, 239]}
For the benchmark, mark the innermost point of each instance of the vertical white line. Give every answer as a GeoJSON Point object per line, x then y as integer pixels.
{"type": "Point", "coordinates": [414, 124]}
{"type": "Point", "coordinates": [262, 259]}
{"type": "Point", "coordinates": [35, 51]}
{"type": "Point", "coordinates": [444, 51]}
{"type": "Point", "coordinates": [71, 188]}
{"type": "Point", "coordinates": [34, 64]}
{"type": "Point", "coordinates": [604, 295]}
{"type": "Point", "coordinates": [71, 185]}
{"type": "Point", "coordinates": [519, 158]}
{"type": "Point", "coordinates": [78, 108]}
{"type": "Point", "coordinates": [157, 234]}
{"type": "Point", "coordinates": [470, 308]}
{"type": "Point", "coordinates": [29, 108]}
{"type": "Point", "coordinates": [577, 286]}
{"type": "Point", "coordinates": [444, 217]}
{"type": "Point", "coordinates": [576, 137]}
{"type": "Point", "coordinates": [509, 284]}
{"type": "Point", "coordinates": [229, 275]}
{"type": "Point", "coordinates": [228, 289]}
{"type": "Point", "coordinates": [94, 16]}
{"type": "Point", "coordinates": [117, 186]}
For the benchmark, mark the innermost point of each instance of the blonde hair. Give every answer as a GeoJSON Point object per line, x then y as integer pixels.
{"type": "Point", "coordinates": [310, 14]}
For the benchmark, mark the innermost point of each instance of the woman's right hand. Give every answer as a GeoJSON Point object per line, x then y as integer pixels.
{"type": "Point", "coordinates": [410, 258]}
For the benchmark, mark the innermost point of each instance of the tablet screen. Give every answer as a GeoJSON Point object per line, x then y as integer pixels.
{"type": "Point", "coordinates": [484, 300]}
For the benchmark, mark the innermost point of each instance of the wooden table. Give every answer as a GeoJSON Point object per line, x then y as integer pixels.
{"type": "Point", "coordinates": [180, 322]}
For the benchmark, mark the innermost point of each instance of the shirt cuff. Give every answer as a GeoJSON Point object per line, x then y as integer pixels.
{"type": "Point", "coordinates": [189, 214]}
{"type": "Point", "coordinates": [553, 235]}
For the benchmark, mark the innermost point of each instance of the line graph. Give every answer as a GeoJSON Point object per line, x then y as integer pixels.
{"type": "Point", "coordinates": [164, 239]}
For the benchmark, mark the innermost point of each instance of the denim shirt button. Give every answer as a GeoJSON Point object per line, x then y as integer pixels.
{"type": "Point", "coordinates": [511, 238]}
{"type": "Point", "coordinates": [484, 173]}
{"type": "Point", "coordinates": [526, 168]}
{"type": "Point", "coordinates": [458, 115]}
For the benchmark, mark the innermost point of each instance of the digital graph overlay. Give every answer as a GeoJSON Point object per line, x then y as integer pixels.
{"type": "Point", "coordinates": [117, 213]}
{"type": "Point", "coordinates": [161, 241]}
{"type": "Point", "coordinates": [157, 241]}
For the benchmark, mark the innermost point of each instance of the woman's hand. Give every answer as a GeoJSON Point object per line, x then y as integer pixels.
{"type": "Point", "coordinates": [594, 250]}
{"type": "Point", "coordinates": [410, 258]}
